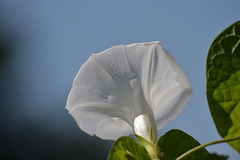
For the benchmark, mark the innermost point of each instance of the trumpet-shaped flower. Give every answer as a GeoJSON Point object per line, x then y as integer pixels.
{"type": "Point", "coordinates": [128, 89]}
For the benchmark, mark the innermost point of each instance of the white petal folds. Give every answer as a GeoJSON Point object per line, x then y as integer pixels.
{"type": "Point", "coordinates": [119, 84]}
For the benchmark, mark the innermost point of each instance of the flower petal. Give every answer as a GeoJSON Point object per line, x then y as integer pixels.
{"type": "Point", "coordinates": [169, 97]}
{"type": "Point", "coordinates": [121, 83]}
{"type": "Point", "coordinates": [165, 86]}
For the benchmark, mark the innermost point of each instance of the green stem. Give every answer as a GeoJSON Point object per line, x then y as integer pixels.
{"type": "Point", "coordinates": [205, 145]}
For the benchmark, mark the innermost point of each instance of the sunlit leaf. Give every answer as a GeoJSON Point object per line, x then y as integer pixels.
{"type": "Point", "coordinates": [223, 83]}
{"type": "Point", "coordinates": [127, 148]}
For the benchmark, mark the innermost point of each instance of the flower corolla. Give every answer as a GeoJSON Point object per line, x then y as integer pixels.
{"type": "Point", "coordinates": [128, 89]}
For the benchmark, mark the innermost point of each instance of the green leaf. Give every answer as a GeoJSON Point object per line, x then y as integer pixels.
{"type": "Point", "coordinates": [214, 156]}
{"type": "Point", "coordinates": [150, 147]}
{"type": "Point", "coordinates": [223, 83]}
{"type": "Point", "coordinates": [175, 142]}
{"type": "Point", "coordinates": [127, 148]}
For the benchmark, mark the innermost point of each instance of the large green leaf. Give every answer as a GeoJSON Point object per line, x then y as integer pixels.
{"type": "Point", "coordinates": [175, 142]}
{"type": "Point", "coordinates": [127, 148]}
{"type": "Point", "coordinates": [223, 83]}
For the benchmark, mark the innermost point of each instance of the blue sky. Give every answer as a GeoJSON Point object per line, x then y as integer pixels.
{"type": "Point", "coordinates": [54, 38]}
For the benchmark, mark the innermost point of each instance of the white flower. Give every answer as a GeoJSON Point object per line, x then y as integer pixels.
{"type": "Point", "coordinates": [128, 89]}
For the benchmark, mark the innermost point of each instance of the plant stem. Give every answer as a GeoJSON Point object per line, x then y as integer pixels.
{"type": "Point", "coordinates": [205, 145]}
